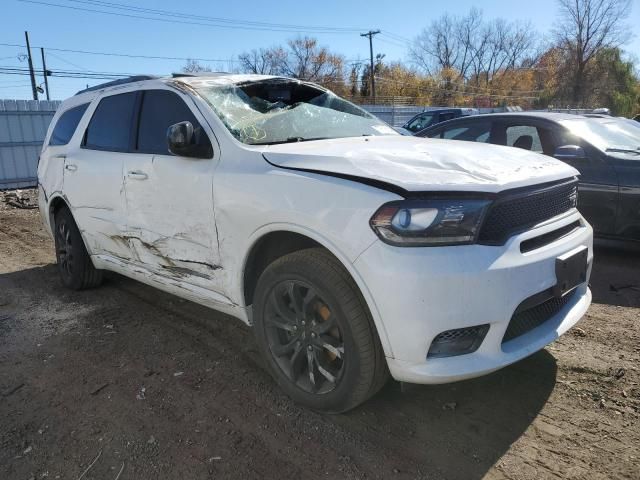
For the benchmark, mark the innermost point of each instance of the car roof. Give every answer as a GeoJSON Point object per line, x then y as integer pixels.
{"type": "Point", "coordinates": [551, 116]}
{"type": "Point", "coordinates": [555, 116]}
{"type": "Point", "coordinates": [203, 78]}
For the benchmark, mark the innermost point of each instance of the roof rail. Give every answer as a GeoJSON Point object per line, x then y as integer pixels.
{"type": "Point", "coordinates": [120, 81]}
{"type": "Point", "coordinates": [198, 74]}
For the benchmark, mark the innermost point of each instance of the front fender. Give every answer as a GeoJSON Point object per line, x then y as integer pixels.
{"type": "Point", "coordinates": [336, 252]}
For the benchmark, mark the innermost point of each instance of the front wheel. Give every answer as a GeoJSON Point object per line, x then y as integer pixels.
{"type": "Point", "coordinates": [316, 332]}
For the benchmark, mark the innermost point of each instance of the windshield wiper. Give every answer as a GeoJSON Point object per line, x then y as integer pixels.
{"type": "Point", "coordinates": [292, 140]}
{"type": "Point", "coordinates": [623, 150]}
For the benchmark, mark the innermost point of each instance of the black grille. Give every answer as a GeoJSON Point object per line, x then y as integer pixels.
{"type": "Point", "coordinates": [459, 341]}
{"type": "Point", "coordinates": [519, 210]}
{"type": "Point", "coordinates": [547, 238]}
{"type": "Point", "coordinates": [524, 321]}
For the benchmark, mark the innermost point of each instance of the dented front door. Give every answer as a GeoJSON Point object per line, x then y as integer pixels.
{"type": "Point", "coordinates": [171, 225]}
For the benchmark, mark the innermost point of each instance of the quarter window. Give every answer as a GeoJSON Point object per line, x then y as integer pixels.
{"type": "Point", "coordinates": [110, 126]}
{"type": "Point", "coordinates": [160, 110]}
{"type": "Point", "coordinates": [67, 124]}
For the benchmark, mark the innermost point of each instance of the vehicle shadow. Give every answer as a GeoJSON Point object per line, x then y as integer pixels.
{"type": "Point", "coordinates": [461, 430]}
{"type": "Point", "coordinates": [126, 334]}
{"type": "Point", "coordinates": [615, 279]}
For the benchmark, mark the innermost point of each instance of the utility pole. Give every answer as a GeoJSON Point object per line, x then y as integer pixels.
{"type": "Point", "coordinates": [370, 34]}
{"type": "Point", "coordinates": [45, 72]}
{"type": "Point", "coordinates": [31, 72]}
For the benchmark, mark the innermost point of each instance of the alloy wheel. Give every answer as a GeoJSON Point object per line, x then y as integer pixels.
{"type": "Point", "coordinates": [304, 337]}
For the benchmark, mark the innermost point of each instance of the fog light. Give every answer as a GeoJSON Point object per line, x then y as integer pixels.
{"type": "Point", "coordinates": [457, 342]}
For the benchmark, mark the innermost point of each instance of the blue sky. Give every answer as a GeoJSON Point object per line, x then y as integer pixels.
{"type": "Point", "coordinates": [75, 29]}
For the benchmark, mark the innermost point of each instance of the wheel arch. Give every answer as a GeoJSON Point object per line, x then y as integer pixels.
{"type": "Point", "coordinates": [272, 243]}
{"type": "Point", "coordinates": [56, 202]}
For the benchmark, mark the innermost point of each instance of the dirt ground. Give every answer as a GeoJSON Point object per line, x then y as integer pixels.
{"type": "Point", "coordinates": [132, 383]}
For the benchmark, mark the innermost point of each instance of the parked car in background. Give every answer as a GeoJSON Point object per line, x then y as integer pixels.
{"type": "Point", "coordinates": [432, 117]}
{"type": "Point", "coordinates": [605, 150]}
{"type": "Point", "coordinates": [354, 252]}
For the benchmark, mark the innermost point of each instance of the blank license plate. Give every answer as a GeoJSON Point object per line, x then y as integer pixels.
{"type": "Point", "coordinates": [571, 271]}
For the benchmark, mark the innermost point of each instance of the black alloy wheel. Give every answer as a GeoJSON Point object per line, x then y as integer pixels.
{"type": "Point", "coordinates": [304, 337]}
{"type": "Point", "coordinates": [315, 331]}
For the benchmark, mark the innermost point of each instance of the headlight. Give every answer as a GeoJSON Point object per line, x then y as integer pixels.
{"type": "Point", "coordinates": [419, 223]}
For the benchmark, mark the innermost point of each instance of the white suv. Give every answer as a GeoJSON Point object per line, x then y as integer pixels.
{"type": "Point", "coordinates": [354, 252]}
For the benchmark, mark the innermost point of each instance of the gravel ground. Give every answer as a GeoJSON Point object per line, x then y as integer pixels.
{"type": "Point", "coordinates": [132, 383]}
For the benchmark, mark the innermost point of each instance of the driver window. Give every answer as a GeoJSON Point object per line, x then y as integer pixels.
{"type": "Point", "coordinates": [423, 121]}
{"type": "Point", "coordinates": [161, 109]}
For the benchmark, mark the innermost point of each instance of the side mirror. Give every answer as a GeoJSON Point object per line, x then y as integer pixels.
{"type": "Point", "coordinates": [182, 141]}
{"type": "Point", "coordinates": [569, 153]}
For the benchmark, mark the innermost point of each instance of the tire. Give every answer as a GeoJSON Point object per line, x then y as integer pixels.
{"type": "Point", "coordinates": [74, 264]}
{"type": "Point", "coordinates": [310, 313]}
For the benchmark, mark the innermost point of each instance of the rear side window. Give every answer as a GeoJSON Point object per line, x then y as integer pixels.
{"type": "Point", "coordinates": [110, 126]}
{"type": "Point", "coordinates": [525, 137]}
{"type": "Point", "coordinates": [446, 116]}
{"type": "Point", "coordinates": [160, 110]}
{"type": "Point", "coordinates": [477, 132]}
{"type": "Point", "coordinates": [67, 124]}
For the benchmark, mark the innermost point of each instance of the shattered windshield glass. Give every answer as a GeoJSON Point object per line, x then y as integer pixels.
{"type": "Point", "coordinates": [274, 111]}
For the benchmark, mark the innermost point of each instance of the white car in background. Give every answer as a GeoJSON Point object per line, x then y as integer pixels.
{"type": "Point", "coordinates": [354, 252]}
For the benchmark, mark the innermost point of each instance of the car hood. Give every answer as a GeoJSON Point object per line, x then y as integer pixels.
{"type": "Point", "coordinates": [421, 164]}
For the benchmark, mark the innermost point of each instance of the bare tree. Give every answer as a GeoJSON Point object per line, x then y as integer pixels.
{"type": "Point", "coordinates": [437, 47]}
{"type": "Point", "coordinates": [194, 66]}
{"type": "Point", "coordinates": [467, 48]}
{"type": "Point", "coordinates": [308, 61]}
{"type": "Point", "coordinates": [302, 58]}
{"type": "Point", "coordinates": [585, 28]}
{"type": "Point", "coordinates": [266, 61]}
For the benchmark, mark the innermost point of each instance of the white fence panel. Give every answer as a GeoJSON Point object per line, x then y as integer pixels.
{"type": "Point", "coordinates": [23, 126]}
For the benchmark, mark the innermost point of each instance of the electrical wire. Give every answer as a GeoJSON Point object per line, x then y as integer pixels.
{"type": "Point", "coordinates": [188, 22]}
{"type": "Point", "coordinates": [113, 54]}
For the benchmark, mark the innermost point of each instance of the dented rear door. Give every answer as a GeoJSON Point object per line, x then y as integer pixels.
{"type": "Point", "coordinates": [93, 175]}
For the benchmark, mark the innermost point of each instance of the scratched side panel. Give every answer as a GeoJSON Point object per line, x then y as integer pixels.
{"type": "Point", "coordinates": [170, 225]}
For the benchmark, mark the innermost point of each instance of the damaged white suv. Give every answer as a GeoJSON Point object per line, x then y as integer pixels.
{"type": "Point", "coordinates": [353, 251]}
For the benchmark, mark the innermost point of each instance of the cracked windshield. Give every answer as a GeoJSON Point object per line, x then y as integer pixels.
{"type": "Point", "coordinates": [269, 112]}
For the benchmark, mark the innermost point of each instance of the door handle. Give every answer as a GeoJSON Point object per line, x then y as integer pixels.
{"type": "Point", "coordinates": [137, 175]}
{"type": "Point", "coordinates": [71, 167]}
{"type": "Point", "coordinates": [61, 156]}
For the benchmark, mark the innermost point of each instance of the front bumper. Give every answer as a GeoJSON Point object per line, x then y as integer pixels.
{"type": "Point", "coordinates": [421, 292]}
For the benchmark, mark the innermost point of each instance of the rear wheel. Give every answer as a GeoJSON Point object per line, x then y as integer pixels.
{"type": "Point", "coordinates": [74, 264]}
{"type": "Point", "coordinates": [316, 333]}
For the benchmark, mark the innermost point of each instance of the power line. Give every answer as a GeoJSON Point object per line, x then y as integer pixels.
{"type": "Point", "coordinates": [64, 60]}
{"type": "Point", "coordinates": [173, 14]}
{"type": "Point", "coordinates": [113, 54]}
{"type": "Point", "coordinates": [219, 24]}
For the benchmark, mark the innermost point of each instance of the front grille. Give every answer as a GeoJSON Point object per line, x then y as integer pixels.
{"type": "Point", "coordinates": [523, 321]}
{"type": "Point", "coordinates": [517, 211]}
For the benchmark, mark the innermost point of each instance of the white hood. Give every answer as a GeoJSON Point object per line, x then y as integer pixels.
{"type": "Point", "coordinates": [421, 164]}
